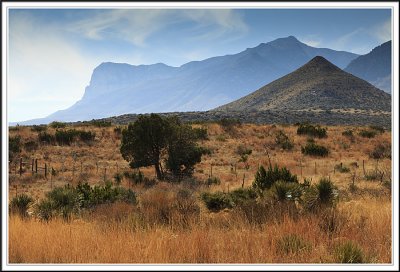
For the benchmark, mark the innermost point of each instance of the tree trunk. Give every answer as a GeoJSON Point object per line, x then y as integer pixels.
{"type": "Point", "coordinates": [158, 171]}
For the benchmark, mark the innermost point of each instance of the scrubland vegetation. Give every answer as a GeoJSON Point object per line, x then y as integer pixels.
{"type": "Point", "coordinates": [221, 192]}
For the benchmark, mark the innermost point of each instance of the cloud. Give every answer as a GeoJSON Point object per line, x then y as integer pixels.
{"type": "Point", "coordinates": [382, 31]}
{"type": "Point", "coordinates": [311, 40]}
{"type": "Point", "coordinates": [136, 25]}
{"type": "Point", "coordinates": [43, 68]}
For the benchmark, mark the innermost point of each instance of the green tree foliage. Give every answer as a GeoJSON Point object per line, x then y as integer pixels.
{"type": "Point", "coordinates": [313, 149]}
{"type": "Point", "coordinates": [183, 152]}
{"type": "Point", "coordinates": [152, 139]}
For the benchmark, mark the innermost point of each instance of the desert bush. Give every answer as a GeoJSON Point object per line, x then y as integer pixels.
{"type": "Point", "coordinates": [320, 195]}
{"type": "Point", "coordinates": [292, 244]}
{"type": "Point", "coordinates": [86, 136]}
{"type": "Point", "coordinates": [243, 152]}
{"type": "Point", "coordinates": [282, 140]}
{"type": "Point", "coordinates": [381, 151]}
{"type": "Point", "coordinates": [45, 137]}
{"type": "Point", "coordinates": [100, 123]}
{"type": "Point", "coordinates": [200, 133]}
{"type": "Point", "coordinates": [313, 149]}
{"type": "Point", "coordinates": [348, 252]}
{"type": "Point", "coordinates": [213, 180]}
{"type": "Point", "coordinates": [242, 195]}
{"type": "Point", "coordinates": [342, 168]}
{"type": "Point", "coordinates": [221, 138]}
{"type": "Point", "coordinates": [20, 205]}
{"type": "Point", "coordinates": [14, 146]}
{"type": "Point", "coordinates": [57, 124]}
{"type": "Point", "coordinates": [118, 178]}
{"type": "Point", "coordinates": [378, 129]}
{"type": "Point", "coordinates": [348, 133]}
{"type": "Point", "coordinates": [38, 128]}
{"type": "Point", "coordinates": [367, 133]}
{"type": "Point", "coordinates": [264, 179]}
{"type": "Point", "coordinates": [229, 124]}
{"type": "Point", "coordinates": [100, 194]}
{"type": "Point", "coordinates": [66, 137]}
{"type": "Point", "coordinates": [311, 130]}
{"type": "Point", "coordinates": [216, 201]}
{"type": "Point", "coordinates": [30, 146]}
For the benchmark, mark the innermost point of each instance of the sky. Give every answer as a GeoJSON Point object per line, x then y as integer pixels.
{"type": "Point", "coordinates": [52, 52]}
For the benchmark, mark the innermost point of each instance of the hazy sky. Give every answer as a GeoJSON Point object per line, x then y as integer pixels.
{"type": "Point", "coordinates": [52, 52]}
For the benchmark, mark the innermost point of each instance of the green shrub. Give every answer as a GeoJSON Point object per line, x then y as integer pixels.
{"type": "Point", "coordinates": [378, 129]}
{"type": "Point", "coordinates": [216, 201]}
{"type": "Point", "coordinates": [14, 146]}
{"type": "Point", "coordinates": [221, 138]}
{"type": "Point", "coordinates": [30, 146]}
{"type": "Point", "coordinates": [228, 124]}
{"type": "Point", "coordinates": [322, 194]}
{"type": "Point", "coordinates": [200, 133]}
{"type": "Point", "coordinates": [348, 133]}
{"type": "Point", "coordinates": [100, 123]}
{"type": "Point", "coordinates": [341, 168]}
{"type": "Point", "coordinates": [86, 136]}
{"type": "Point", "coordinates": [282, 140]}
{"type": "Point", "coordinates": [213, 180]}
{"type": "Point", "coordinates": [381, 151]}
{"type": "Point", "coordinates": [66, 137]}
{"type": "Point", "coordinates": [118, 178]}
{"type": "Point", "coordinates": [313, 149]}
{"type": "Point", "coordinates": [367, 133]}
{"type": "Point", "coordinates": [242, 195]}
{"type": "Point", "coordinates": [56, 124]}
{"type": "Point", "coordinates": [348, 252]}
{"type": "Point", "coordinates": [311, 130]}
{"type": "Point", "coordinates": [66, 201]}
{"type": "Point", "coordinates": [292, 244]}
{"type": "Point", "coordinates": [243, 152]}
{"type": "Point", "coordinates": [38, 128]}
{"type": "Point", "coordinates": [20, 205]}
{"type": "Point", "coordinates": [264, 179]}
{"type": "Point", "coordinates": [46, 138]}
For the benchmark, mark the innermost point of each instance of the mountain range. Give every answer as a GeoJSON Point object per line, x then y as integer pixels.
{"type": "Point", "coordinates": [117, 88]}
{"type": "Point", "coordinates": [317, 85]}
{"type": "Point", "coordinates": [375, 67]}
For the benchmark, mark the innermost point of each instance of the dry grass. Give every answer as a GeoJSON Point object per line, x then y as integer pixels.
{"type": "Point", "coordinates": [157, 231]}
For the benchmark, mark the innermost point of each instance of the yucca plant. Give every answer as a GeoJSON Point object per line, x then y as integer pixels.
{"type": "Point", "coordinates": [349, 252]}
{"type": "Point", "coordinates": [20, 205]}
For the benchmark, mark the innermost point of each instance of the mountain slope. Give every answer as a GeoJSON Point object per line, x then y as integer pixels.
{"type": "Point", "coordinates": [199, 85]}
{"type": "Point", "coordinates": [317, 85]}
{"type": "Point", "coordinates": [374, 67]}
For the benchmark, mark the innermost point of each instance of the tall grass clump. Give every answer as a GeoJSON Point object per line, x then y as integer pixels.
{"type": "Point", "coordinates": [348, 252]}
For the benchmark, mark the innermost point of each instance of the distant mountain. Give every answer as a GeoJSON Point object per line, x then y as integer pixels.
{"type": "Point", "coordinates": [318, 85]}
{"type": "Point", "coordinates": [117, 88]}
{"type": "Point", "coordinates": [375, 67]}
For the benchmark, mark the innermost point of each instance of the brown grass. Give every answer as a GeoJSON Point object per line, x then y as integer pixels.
{"type": "Point", "coordinates": [158, 231]}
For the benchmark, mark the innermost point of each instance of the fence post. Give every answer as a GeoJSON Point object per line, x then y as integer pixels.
{"type": "Point", "coordinates": [33, 162]}
{"type": "Point", "coordinates": [105, 173]}
{"type": "Point", "coordinates": [45, 171]}
{"type": "Point", "coordinates": [364, 167]}
{"type": "Point", "coordinates": [315, 168]}
{"type": "Point", "coordinates": [244, 175]}
{"type": "Point", "coordinates": [211, 170]}
{"type": "Point", "coordinates": [81, 166]}
{"type": "Point", "coordinates": [36, 166]}
{"type": "Point", "coordinates": [20, 166]}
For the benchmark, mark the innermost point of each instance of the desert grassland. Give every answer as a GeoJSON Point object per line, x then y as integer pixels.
{"type": "Point", "coordinates": [122, 233]}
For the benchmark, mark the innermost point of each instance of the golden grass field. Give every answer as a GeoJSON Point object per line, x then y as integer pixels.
{"type": "Point", "coordinates": [115, 233]}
